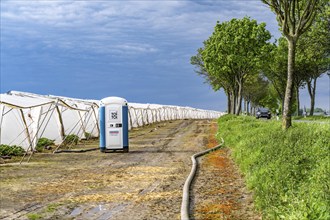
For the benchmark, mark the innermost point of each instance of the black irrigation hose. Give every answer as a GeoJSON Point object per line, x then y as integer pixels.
{"type": "Point", "coordinates": [76, 151]}
{"type": "Point", "coordinates": [186, 187]}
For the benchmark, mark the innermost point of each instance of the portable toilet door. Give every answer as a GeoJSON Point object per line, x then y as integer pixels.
{"type": "Point", "coordinates": [113, 116]}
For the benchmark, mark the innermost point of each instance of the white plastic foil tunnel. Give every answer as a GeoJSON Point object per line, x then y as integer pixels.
{"type": "Point", "coordinates": [26, 117]}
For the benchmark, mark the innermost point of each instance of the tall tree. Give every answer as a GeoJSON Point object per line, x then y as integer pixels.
{"type": "Point", "coordinates": [313, 52]}
{"type": "Point", "coordinates": [299, 81]}
{"type": "Point", "coordinates": [235, 50]}
{"type": "Point", "coordinates": [255, 89]}
{"type": "Point", "coordinates": [216, 80]}
{"type": "Point", "coordinates": [294, 17]}
{"type": "Point", "coordinates": [275, 68]}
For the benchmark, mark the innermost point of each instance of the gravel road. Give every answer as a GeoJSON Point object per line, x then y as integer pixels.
{"type": "Point", "coordinates": [145, 183]}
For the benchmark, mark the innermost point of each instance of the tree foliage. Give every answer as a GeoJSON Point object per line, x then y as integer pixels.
{"type": "Point", "coordinates": [276, 68]}
{"type": "Point", "coordinates": [254, 92]}
{"type": "Point", "coordinates": [235, 50]}
{"type": "Point", "coordinates": [200, 69]}
{"type": "Point", "coordinates": [294, 17]}
{"type": "Point", "coordinates": [313, 52]}
{"type": "Point", "coordinates": [238, 51]}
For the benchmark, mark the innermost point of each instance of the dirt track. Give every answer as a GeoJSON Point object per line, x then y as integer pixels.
{"type": "Point", "coordinates": [145, 183]}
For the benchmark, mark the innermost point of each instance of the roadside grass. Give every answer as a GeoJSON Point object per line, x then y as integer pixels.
{"type": "Point", "coordinates": [312, 118]}
{"type": "Point", "coordinates": [288, 171]}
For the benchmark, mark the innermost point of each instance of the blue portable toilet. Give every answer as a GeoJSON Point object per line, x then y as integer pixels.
{"type": "Point", "coordinates": [113, 119]}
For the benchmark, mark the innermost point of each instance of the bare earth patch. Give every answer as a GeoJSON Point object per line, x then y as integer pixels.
{"type": "Point", "coordinates": [219, 190]}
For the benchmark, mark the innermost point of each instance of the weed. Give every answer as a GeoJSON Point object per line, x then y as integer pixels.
{"type": "Point", "coordinates": [88, 135]}
{"type": "Point", "coordinates": [44, 143]}
{"type": "Point", "coordinates": [71, 139]}
{"type": "Point", "coordinates": [52, 207]}
{"type": "Point", "coordinates": [6, 150]}
{"type": "Point", "coordinates": [34, 216]}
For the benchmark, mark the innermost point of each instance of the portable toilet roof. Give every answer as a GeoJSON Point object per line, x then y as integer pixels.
{"type": "Point", "coordinates": [113, 100]}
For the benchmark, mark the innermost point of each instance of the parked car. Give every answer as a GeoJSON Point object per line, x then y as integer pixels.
{"type": "Point", "coordinates": [263, 113]}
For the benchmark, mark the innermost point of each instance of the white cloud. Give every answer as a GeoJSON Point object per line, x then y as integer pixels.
{"type": "Point", "coordinates": [170, 16]}
{"type": "Point", "coordinates": [165, 31]}
{"type": "Point", "coordinates": [114, 27]}
{"type": "Point", "coordinates": [136, 47]}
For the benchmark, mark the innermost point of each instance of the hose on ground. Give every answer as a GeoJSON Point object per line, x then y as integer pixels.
{"type": "Point", "coordinates": [75, 151]}
{"type": "Point", "coordinates": [186, 187]}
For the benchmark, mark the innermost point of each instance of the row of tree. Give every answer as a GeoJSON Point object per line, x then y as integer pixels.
{"type": "Point", "coordinates": [240, 59]}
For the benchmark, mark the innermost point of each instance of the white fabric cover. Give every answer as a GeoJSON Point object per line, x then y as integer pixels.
{"type": "Point", "coordinates": [26, 117]}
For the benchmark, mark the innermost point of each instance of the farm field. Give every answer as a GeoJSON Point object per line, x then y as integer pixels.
{"type": "Point", "coordinates": [145, 183]}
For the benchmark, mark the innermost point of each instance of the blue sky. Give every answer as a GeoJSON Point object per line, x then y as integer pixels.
{"type": "Point", "coordinates": [139, 50]}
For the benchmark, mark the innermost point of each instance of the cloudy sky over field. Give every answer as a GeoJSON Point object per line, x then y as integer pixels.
{"type": "Point", "coordinates": [139, 50]}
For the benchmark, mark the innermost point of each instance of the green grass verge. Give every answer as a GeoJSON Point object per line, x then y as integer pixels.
{"type": "Point", "coordinates": [288, 171]}
{"type": "Point", "coordinates": [312, 118]}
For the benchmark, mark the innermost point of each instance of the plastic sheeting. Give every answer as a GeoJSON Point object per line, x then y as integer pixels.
{"type": "Point", "coordinates": [26, 117]}
{"type": "Point", "coordinates": [144, 114]}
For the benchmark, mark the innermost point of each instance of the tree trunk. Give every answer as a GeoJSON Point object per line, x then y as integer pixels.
{"type": "Point", "coordinates": [233, 103]}
{"type": "Point", "coordinates": [228, 102]}
{"type": "Point", "coordinates": [239, 104]}
{"type": "Point", "coordinates": [247, 108]}
{"type": "Point", "coordinates": [251, 106]}
{"type": "Point", "coordinates": [298, 101]}
{"type": "Point", "coordinates": [253, 110]}
{"type": "Point", "coordinates": [311, 90]}
{"type": "Point", "coordinates": [313, 97]}
{"type": "Point", "coordinates": [286, 121]}
{"type": "Point", "coordinates": [239, 99]}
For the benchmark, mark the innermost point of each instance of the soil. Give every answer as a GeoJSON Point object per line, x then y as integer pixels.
{"type": "Point", "coordinates": [225, 195]}
{"type": "Point", "coordinates": [145, 183]}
